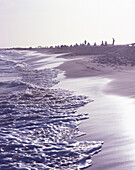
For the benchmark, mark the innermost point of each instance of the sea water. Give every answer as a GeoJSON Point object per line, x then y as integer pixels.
{"type": "Point", "coordinates": [38, 124]}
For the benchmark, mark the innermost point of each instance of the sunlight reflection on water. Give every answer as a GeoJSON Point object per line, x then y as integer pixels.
{"type": "Point", "coordinates": [111, 120]}
{"type": "Point", "coordinates": [128, 121]}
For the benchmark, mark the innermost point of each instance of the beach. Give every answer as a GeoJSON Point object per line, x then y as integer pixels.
{"type": "Point", "coordinates": [68, 108]}
{"type": "Point", "coordinates": [119, 67]}
{"type": "Point", "coordinates": [67, 85]}
{"type": "Point", "coordinates": [111, 86]}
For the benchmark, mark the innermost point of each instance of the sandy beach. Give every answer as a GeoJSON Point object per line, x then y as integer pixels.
{"type": "Point", "coordinates": [116, 62]}
{"type": "Point", "coordinates": [67, 85]}
{"type": "Point", "coordinates": [108, 78]}
{"type": "Point", "coordinates": [118, 65]}
{"type": "Point", "coordinates": [76, 104]}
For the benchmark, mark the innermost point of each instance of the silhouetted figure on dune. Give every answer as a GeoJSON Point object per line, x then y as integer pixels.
{"type": "Point", "coordinates": [95, 44]}
{"type": "Point", "coordinates": [113, 41]}
{"type": "Point", "coordinates": [85, 42]}
{"type": "Point", "coordinates": [105, 43]}
{"type": "Point", "coordinates": [102, 44]}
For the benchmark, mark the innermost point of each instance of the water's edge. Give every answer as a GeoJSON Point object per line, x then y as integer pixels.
{"type": "Point", "coordinates": [38, 124]}
{"type": "Point", "coordinates": [111, 120]}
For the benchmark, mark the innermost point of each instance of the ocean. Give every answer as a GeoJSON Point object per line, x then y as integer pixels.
{"type": "Point", "coordinates": [38, 123]}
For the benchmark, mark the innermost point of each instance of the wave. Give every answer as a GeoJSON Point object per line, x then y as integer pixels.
{"type": "Point", "coordinates": [39, 125]}
{"type": "Point", "coordinates": [43, 124]}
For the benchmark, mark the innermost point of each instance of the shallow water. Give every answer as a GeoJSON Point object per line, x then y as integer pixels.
{"type": "Point", "coordinates": [111, 120]}
{"type": "Point", "coordinates": [38, 124]}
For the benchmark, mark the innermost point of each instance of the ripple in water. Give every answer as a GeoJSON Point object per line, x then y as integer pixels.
{"type": "Point", "coordinates": [38, 125]}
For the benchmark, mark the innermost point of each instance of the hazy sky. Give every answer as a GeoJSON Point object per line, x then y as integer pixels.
{"type": "Point", "coordinates": [55, 22]}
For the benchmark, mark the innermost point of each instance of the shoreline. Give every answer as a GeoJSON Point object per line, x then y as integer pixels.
{"type": "Point", "coordinates": [110, 120]}
{"type": "Point", "coordinates": [111, 114]}
{"type": "Point", "coordinates": [39, 120]}
{"type": "Point", "coordinates": [115, 62]}
{"type": "Point", "coordinates": [123, 79]}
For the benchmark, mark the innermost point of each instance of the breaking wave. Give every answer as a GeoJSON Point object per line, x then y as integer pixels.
{"type": "Point", "coordinates": [39, 125]}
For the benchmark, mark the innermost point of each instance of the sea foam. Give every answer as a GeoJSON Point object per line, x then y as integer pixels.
{"type": "Point", "coordinates": [39, 125]}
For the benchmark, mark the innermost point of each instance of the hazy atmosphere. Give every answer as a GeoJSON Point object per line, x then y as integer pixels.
{"type": "Point", "coordinates": [67, 84]}
{"type": "Point", "coordinates": [55, 22]}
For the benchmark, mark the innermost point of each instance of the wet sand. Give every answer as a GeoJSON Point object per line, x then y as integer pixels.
{"type": "Point", "coordinates": [110, 120]}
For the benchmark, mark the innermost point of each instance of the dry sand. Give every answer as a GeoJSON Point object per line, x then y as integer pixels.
{"type": "Point", "coordinates": [119, 66]}
{"type": "Point", "coordinates": [115, 62]}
